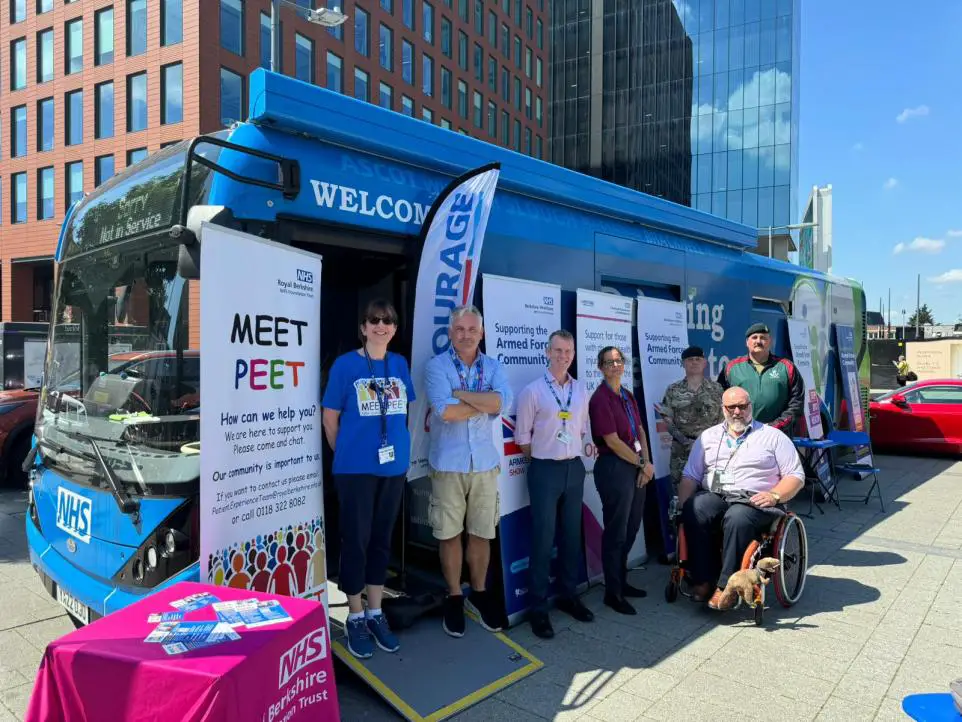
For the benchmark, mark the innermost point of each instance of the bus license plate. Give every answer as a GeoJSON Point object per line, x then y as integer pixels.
{"type": "Point", "coordinates": [76, 608]}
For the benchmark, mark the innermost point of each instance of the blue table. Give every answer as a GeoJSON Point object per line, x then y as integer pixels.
{"type": "Point", "coordinates": [819, 449]}
{"type": "Point", "coordinates": [931, 708]}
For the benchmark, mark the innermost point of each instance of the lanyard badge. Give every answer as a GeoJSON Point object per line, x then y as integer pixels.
{"type": "Point", "coordinates": [459, 367]}
{"type": "Point", "coordinates": [385, 452]}
{"type": "Point", "coordinates": [564, 410]}
{"type": "Point", "coordinates": [631, 421]}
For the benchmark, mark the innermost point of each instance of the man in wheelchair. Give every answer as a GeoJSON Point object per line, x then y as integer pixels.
{"type": "Point", "coordinates": [739, 474]}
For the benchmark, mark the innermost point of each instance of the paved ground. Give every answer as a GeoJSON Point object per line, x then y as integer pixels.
{"type": "Point", "coordinates": [879, 619]}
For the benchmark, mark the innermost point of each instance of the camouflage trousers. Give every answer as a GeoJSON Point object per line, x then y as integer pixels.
{"type": "Point", "coordinates": [679, 457]}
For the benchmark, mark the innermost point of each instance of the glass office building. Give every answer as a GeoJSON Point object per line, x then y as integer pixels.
{"type": "Point", "coordinates": [695, 101]}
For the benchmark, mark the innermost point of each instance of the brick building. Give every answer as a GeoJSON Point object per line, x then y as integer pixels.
{"type": "Point", "coordinates": [89, 87]}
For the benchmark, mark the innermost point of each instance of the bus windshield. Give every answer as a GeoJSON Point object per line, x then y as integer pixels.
{"type": "Point", "coordinates": [121, 382]}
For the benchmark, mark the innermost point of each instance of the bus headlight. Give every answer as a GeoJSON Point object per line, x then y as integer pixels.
{"type": "Point", "coordinates": [152, 558]}
{"type": "Point", "coordinates": [137, 569]}
{"type": "Point", "coordinates": [170, 543]}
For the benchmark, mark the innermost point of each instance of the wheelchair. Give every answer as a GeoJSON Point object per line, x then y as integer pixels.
{"type": "Point", "coordinates": [786, 541]}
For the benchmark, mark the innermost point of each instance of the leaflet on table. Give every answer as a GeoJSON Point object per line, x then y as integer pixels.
{"type": "Point", "coordinates": [180, 637]}
{"type": "Point", "coordinates": [194, 602]}
{"type": "Point", "coordinates": [165, 617]}
{"type": "Point", "coordinates": [251, 613]}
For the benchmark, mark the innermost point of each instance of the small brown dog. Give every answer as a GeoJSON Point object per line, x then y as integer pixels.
{"type": "Point", "coordinates": [742, 584]}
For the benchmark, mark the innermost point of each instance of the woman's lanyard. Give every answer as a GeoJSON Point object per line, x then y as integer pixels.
{"type": "Point", "coordinates": [564, 412]}
{"type": "Point", "coordinates": [459, 367]}
{"type": "Point", "coordinates": [380, 389]}
{"type": "Point", "coordinates": [635, 438]}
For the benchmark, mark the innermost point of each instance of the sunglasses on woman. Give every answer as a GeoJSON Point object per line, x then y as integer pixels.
{"type": "Point", "coordinates": [386, 320]}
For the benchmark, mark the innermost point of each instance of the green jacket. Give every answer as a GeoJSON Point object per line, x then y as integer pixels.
{"type": "Point", "coordinates": [777, 393]}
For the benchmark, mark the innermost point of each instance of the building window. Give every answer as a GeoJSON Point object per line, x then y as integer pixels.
{"type": "Point", "coordinates": [407, 13]}
{"type": "Point", "coordinates": [265, 41]}
{"type": "Point", "coordinates": [18, 132]}
{"type": "Point", "coordinates": [361, 85]}
{"type": "Point", "coordinates": [44, 6]}
{"type": "Point", "coordinates": [505, 41]}
{"type": "Point", "coordinates": [45, 123]}
{"type": "Point", "coordinates": [478, 63]}
{"type": "Point", "coordinates": [538, 72]}
{"type": "Point", "coordinates": [386, 47]}
{"type": "Point", "coordinates": [362, 31]}
{"type": "Point", "coordinates": [527, 103]}
{"type": "Point", "coordinates": [74, 183]}
{"type": "Point", "coordinates": [232, 26]}
{"type": "Point", "coordinates": [427, 21]}
{"type": "Point", "coordinates": [445, 123]}
{"type": "Point", "coordinates": [104, 110]}
{"type": "Point", "coordinates": [463, 11]}
{"type": "Point", "coordinates": [104, 36]}
{"type": "Point", "coordinates": [18, 64]}
{"type": "Point", "coordinates": [493, 74]}
{"type": "Point", "coordinates": [517, 52]}
{"type": "Point", "coordinates": [492, 120]}
{"type": "Point", "coordinates": [335, 73]}
{"type": "Point", "coordinates": [103, 169]}
{"type": "Point", "coordinates": [18, 11]}
{"type": "Point", "coordinates": [386, 96]}
{"type": "Point", "coordinates": [479, 17]}
{"type": "Point", "coordinates": [136, 27]}
{"type": "Point", "coordinates": [231, 97]}
{"type": "Point", "coordinates": [45, 206]}
{"type": "Point", "coordinates": [446, 88]}
{"type": "Point", "coordinates": [446, 34]}
{"type": "Point", "coordinates": [462, 50]}
{"type": "Point", "coordinates": [527, 141]}
{"type": "Point", "coordinates": [136, 102]}
{"type": "Point", "coordinates": [505, 84]}
{"type": "Point", "coordinates": [527, 62]}
{"type": "Point", "coordinates": [74, 57]}
{"type": "Point", "coordinates": [171, 94]}
{"type": "Point", "coordinates": [538, 110]}
{"type": "Point", "coordinates": [74, 105]}
{"type": "Point", "coordinates": [18, 198]}
{"type": "Point", "coordinates": [407, 62]}
{"type": "Point", "coordinates": [538, 149]}
{"type": "Point", "coordinates": [540, 35]}
{"type": "Point", "coordinates": [517, 135]}
{"type": "Point", "coordinates": [505, 127]}
{"type": "Point", "coordinates": [529, 23]}
{"type": "Point", "coordinates": [303, 58]}
{"type": "Point", "coordinates": [45, 56]}
{"type": "Point", "coordinates": [171, 22]}
{"type": "Point", "coordinates": [135, 156]}
{"type": "Point", "coordinates": [462, 99]}
{"type": "Point", "coordinates": [427, 75]}
{"type": "Point", "coordinates": [478, 121]}
{"type": "Point", "coordinates": [427, 114]}
{"type": "Point", "coordinates": [388, 5]}
{"type": "Point", "coordinates": [493, 28]}
{"type": "Point", "coordinates": [407, 106]}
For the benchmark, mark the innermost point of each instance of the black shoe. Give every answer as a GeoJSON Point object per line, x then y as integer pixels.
{"type": "Point", "coordinates": [541, 625]}
{"type": "Point", "coordinates": [453, 622]}
{"type": "Point", "coordinates": [576, 609]}
{"type": "Point", "coordinates": [483, 605]}
{"type": "Point", "coordinates": [634, 592]}
{"type": "Point", "coordinates": [619, 604]}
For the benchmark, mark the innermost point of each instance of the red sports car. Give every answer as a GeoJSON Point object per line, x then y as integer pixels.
{"type": "Point", "coordinates": [922, 417]}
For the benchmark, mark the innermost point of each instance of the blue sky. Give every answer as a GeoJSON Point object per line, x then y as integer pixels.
{"type": "Point", "coordinates": [881, 121]}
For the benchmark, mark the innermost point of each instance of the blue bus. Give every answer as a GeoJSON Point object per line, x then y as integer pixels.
{"type": "Point", "coordinates": [113, 509]}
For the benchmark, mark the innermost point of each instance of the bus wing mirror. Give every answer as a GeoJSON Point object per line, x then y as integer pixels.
{"type": "Point", "coordinates": [188, 257]}
{"type": "Point", "coordinates": [188, 261]}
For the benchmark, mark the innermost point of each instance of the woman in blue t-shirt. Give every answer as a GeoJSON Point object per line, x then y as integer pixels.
{"type": "Point", "coordinates": [365, 422]}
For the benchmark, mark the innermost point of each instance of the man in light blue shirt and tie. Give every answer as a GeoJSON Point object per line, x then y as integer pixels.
{"type": "Point", "coordinates": [467, 391]}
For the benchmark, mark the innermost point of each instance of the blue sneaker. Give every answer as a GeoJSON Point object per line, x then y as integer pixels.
{"type": "Point", "coordinates": [359, 641]}
{"type": "Point", "coordinates": [381, 631]}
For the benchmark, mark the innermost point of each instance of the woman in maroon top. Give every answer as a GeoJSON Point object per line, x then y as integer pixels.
{"type": "Point", "coordinates": [621, 472]}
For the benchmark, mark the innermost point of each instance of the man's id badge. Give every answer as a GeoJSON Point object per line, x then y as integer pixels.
{"type": "Point", "coordinates": [637, 446]}
{"type": "Point", "coordinates": [721, 481]}
{"type": "Point", "coordinates": [564, 437]}
{"type": "Point", "coordinates": [564, 415]}
{"type": "Point", "coordinates": [385, 455]}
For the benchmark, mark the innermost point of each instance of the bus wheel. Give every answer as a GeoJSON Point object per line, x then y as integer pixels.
{"type": "Point", "coordinates": [16, 477]}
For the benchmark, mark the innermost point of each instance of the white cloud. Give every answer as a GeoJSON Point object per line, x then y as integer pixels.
{"type": "Point", "coordinates": [953, 276]}
{"type": "Point", "coordinates": [890, 184]}
{"type": "Point", "coordinates": [954, 234]}
{"type": "Point", "coordinates": [920, 244]}
{"type": "Point", "coordinates": [909, 113]}
{"type": "Point", "coordinates": [858, 147]}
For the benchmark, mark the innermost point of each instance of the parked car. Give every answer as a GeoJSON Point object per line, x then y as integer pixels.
{"type": "Point", "coordinates": [18, 409]}
{"type": "Point", "coordinates": [924, 417]}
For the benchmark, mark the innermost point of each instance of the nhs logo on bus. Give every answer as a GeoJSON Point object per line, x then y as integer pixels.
{"type": "Point", "coordinates": [74, 513]}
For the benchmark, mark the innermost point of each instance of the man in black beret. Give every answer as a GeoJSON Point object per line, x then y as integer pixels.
{"type": "Point", "coordinates": [774, 384]}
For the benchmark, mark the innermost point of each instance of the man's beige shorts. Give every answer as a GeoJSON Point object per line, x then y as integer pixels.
{"type": "Point", "coordinates": [464, 501]}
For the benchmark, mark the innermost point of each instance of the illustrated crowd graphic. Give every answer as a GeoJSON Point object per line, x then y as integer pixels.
{"type": "Point", "coordinates": [288, 561]}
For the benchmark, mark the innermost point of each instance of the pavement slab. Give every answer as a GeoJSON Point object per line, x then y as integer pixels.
{"type": "Point", "coordinates": [878, 620]}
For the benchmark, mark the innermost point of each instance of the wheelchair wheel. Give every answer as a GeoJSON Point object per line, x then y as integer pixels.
{"type": "Point", "coordinates": [671, 592]}
{"type": "Point", "coordinates": [791, 548]}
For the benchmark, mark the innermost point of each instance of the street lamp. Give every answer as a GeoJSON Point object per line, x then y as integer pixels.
{"type": "Point", "coordinates": [789, 227]}
{"type": "Point", "coordinates": [903, 325]}
{"type": "Point", "coordinates": [319, 16]}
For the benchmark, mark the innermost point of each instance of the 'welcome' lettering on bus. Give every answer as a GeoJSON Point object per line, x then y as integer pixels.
{"type": "Point", "coordinates": [267, 330]}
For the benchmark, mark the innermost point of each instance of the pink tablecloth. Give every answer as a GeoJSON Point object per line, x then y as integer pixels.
{"type": "Point", "coordinates": [106, 672]}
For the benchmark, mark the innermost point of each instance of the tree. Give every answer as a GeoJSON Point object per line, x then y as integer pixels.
{"type": "Point", "coordinates": [925, 316]}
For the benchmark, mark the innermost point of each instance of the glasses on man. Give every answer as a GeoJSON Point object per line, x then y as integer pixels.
{"type": "Point", "coordinates": [386, 320]}
{"type": "Point", "coordinates": [732, 408]}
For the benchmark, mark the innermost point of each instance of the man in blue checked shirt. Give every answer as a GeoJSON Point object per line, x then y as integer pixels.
{"type": "Point", "coordinates": [467, 391]}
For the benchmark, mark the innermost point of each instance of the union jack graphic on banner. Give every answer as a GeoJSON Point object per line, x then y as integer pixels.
{"type": "Point", "coordinates": [507, 426]}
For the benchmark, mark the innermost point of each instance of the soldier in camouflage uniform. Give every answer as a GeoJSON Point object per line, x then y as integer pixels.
{"type": "Point", "coordinates": [690, 406]}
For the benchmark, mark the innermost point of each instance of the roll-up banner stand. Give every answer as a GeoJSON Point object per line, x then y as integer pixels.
{"type": "Point", "coordinates": [662, 336]}
{"type": "Point", "coordinates": [803, 356]}
{"type": "Point", "coordinates": [848, 370]}
{"type": "Point", "coordinates": [603, 319]}
{"type": "Point", "coordinates": [519, 316]}
{"type": "Point", "coordinates": [452, 237]}
{"type": "Point", "coordinates": [261, 488]}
